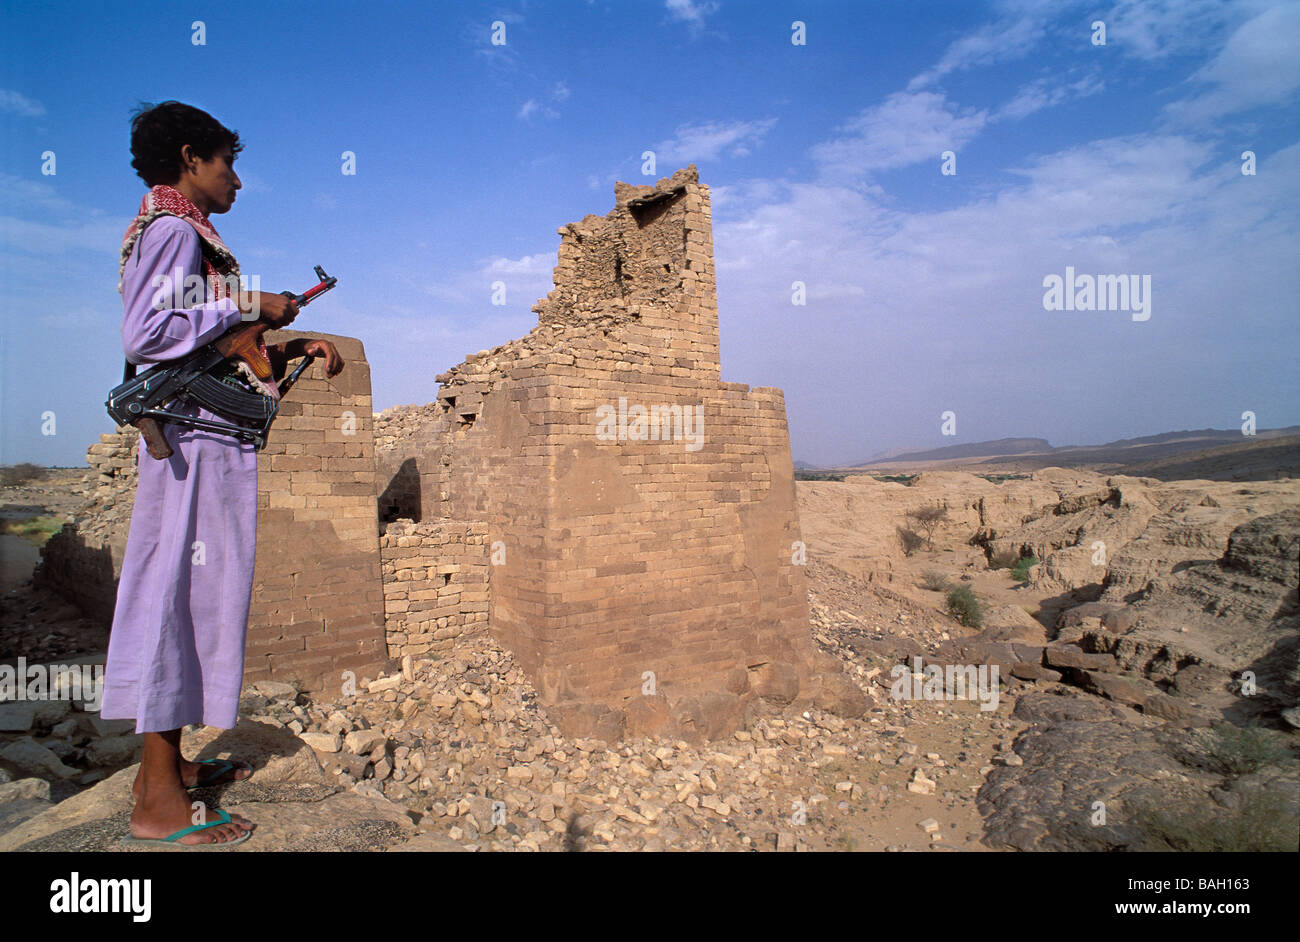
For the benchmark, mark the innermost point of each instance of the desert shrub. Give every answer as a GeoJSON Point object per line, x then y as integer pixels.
{"type": "Point", "coordinates": [1240, 750]}
{"type": "Point", "coordinates": [965, 607]}
{"type": "Point", "coordinates": [1267, 819]}
{"type": "Point", "coordinates": [904, 479]}
{"type": "Point", "coordinates": [34, 529]}
{"type": "Point", "coordinates": [910, 540]}
{"type": "Point", "coordinates": [935, 581]}
{"type": "Point", "coordinates": [926, 519]}
{"type": "Point", "coordinates": [12, 475]}
{"type": "Point", "coordinates": [1020, 571]}
{"type": "Point", "coordinates": [1003, 560]}
{"type": "Point", "coordinates": [999, 478]}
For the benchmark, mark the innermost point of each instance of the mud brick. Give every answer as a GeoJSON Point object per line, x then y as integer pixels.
{"type": "Point", "coordinates": [335, 649]}
{"type": "Point", "coordinates": [355, 620]}
{"type": "Point", "coordinates": [288, 462]}
{"type": "Point", "coordinates": [360, 632]}
{"type": "Point", "coordinates": [257, 646]}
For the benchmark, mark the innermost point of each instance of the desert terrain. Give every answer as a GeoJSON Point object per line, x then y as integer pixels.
{"type": "Point", "coordinates": [1145, 634]}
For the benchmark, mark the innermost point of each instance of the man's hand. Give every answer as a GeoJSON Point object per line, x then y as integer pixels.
{"type": "Point", "coordinates": [275, 309]}
{"type": "Point", "coordinates": [323, 348]}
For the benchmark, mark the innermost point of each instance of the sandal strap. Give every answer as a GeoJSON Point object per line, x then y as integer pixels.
{"type": "Point", "coordinates": [225, 819]}
{"type": "Point", "coordinates": [223, 767]}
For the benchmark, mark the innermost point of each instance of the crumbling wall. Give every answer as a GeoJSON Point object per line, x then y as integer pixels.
{"type": "Point", "coordinates": [82, 561]}
{"type": "Point", "coordinates": [647, 584]}
{"type": "Point", "coordinates": [435, 584]}
{"type": "Point", "coordinates": [317, 600]}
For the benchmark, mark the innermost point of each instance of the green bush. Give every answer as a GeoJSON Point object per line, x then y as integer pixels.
{"type": "Point", "coordinates": [935, 581]}
{"type": "Point", "coordinates": [1267, 819]}
{"type": "Point", "coordinates": [818, 476]}
{"type": "Point", "coordinates": [904, 479]}
{"type": "Point", "coordinates": [12, 475]}
{"type": "Point", "coordinates": [910, 540]}
{"type": "Point", "coordinates": [1020, 571]}
{"type": "Point", "coordinates": [965, 607]}
{"type": "Point", "coordinates": [1240, 750]}
{"type": "Point", "coordinates": [999, 478]}
{"type": "Point", "coordinates": [33, 529]}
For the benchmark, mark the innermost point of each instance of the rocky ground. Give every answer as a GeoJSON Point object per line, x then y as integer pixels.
{"type": "Point", "coordinates": [461, 749]}
{"type": "Point", "coordinates": [1124, 715]}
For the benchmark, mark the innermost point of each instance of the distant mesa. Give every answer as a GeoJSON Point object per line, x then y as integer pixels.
{"type": "Point", "coordinates": [1186, 453]}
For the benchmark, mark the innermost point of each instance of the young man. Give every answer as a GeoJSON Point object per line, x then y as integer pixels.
{"type": "Point", "coordinates": [176, 651]}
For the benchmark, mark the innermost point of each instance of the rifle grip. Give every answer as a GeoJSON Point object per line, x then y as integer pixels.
{"type": "Point", "coordinates": [246, 343]}
{"type": "Point", "coordinates": [151, 434]}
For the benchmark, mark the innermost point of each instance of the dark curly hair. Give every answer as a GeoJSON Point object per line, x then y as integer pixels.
{"type": "Point", "coordinates": [158, 132]}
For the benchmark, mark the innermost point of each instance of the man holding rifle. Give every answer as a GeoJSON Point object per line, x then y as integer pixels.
{"type": "Point", "coordinates": [176, 651]}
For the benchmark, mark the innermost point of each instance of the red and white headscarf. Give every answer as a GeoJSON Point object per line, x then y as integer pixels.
{"type": "Point", "coordinates": [163, 200]}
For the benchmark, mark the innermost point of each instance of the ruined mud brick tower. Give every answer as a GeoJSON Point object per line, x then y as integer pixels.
{"type": "Point", "coordinates": [649, 584]}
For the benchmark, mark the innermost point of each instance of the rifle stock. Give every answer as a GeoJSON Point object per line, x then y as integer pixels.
{"type": "Point", "coordinates": [152, 435]}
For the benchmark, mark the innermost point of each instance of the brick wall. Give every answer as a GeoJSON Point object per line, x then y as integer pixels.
{"type": "Point", "coordinates": [435, 584]}
{"type": "Point", "coordinates": [622, 560]}
{"type": "Point", "coordinates": [82, 561]}
{"type": "Point", "coordinates": [317, 607]}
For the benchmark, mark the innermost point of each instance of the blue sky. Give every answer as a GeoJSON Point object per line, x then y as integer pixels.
{"type": "Point", "coordinates": [924, 290]}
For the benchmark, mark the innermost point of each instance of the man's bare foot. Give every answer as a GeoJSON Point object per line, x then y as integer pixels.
{"type": "Point", "coordinates": [161, 814]}
{"type": "Point", "coordinates": [192, 772]}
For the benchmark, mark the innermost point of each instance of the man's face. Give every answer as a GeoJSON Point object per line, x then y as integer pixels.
{"type": "Point", "coordinates": [217, 181]}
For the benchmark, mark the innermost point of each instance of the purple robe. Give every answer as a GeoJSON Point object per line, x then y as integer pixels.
{"type": "Point", "coordinates": [176, 652]}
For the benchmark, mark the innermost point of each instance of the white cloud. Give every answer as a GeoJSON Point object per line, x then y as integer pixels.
{"type": "Point", "coordinates": [25, 237]}
{"type": "Point", "coordinates": [695, 142]}
{"type": "Point", "coordinates": [691, 12]}
{"type": "Point", "coordinates": [556, 93]}
{"type": "Point", "coordinates": [909, 127]}
{"type": "Point", "coordinates": [1010, 38]}
{"type": "Point", "coordinates": [1156, 29]}
{"type": "Point", "coordinates": [1047, 93]}
{"type": "Point", "coordinates": [477, 34]}
{"type": "Point", "coordinates": [541, 263]}
{"type": "Point", "coordinates": [1259, 65]}
{"type": "Point", "coordinates": [527, 278]}
{"type": "Point", "coordinates": [18, 193]}
{"type": "Point", "coordinates": [19, 104]}
{"type": "Point", "coordinates": [948, 304]}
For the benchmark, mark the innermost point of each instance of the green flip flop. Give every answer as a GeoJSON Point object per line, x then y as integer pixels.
{"type": "Point", "coordinates": [172, 839]}
{"type": "Point", "coordinates": [223, 766]}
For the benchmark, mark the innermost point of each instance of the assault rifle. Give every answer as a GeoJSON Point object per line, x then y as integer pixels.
{"type": "Point", "coordinates": [141, 400]}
